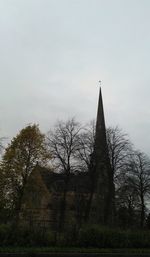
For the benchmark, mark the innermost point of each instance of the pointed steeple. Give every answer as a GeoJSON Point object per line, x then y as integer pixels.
{"type": "Point", "coordinates": [100, 112]}
{"type": "Point", "coordinates": [101, 176]}
{"type": "Point", "coordinates": [100, 136]}
{"type": "Point", "coordinates": [103, 173]}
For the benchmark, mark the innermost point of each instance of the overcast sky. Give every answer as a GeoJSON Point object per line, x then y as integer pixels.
{"type": "Point", "coordinates": [54, 52]}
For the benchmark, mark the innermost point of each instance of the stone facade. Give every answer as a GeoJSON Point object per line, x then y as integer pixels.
{"type": "Point", "coordinates": [43, 195]}
{"type": "Point", "coordinates": [91, 192]}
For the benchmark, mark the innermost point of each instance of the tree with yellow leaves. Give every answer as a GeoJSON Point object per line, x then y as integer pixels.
{"type": "Point", "coordinates": [20, 157]}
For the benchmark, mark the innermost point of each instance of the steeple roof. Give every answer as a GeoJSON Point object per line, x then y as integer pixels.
{"type": "Point", "coordinates": [103, 172]}
{"type": "Point", "coordinates": [100, 135]}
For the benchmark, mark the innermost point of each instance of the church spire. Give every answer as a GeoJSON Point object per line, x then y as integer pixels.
{"type": "Point", "coordinates": [100, 112]}
{"type": "Point", "coordinates": [103, 172]}
{"type": "Point", "coordinates": [100, 136]}
{"type": "Point", "coordinates": [101, 176]}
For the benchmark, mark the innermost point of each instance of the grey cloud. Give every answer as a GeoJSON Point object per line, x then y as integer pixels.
{"type": "Point", "coordinates": [54, 52]}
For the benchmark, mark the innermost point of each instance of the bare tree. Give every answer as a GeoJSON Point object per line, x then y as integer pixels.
{"type": "Point", "coordinates": [63, 143]}
{"type": "Point", "coordinates": [119, 148]}
{"type": "Point", "coordinates": [86, 146]}
{"type": "Point", "coordinates": [84, 158]}
{"type": "Point", "coordinates": [127, 203]}
{"type": "Point", "coordinates": [138, 178]}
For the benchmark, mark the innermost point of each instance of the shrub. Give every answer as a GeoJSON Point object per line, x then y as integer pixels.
{"type": "Point", "coordinates": [4, 234]}
{"type": "Point", "coordinates": [139, 239]}
{"type": "Point", "coordinates": [22, 236]}
{"type": "Point", "coordinates": [88, 236]}
{"type": "Point", "coordinates": [95, 236]}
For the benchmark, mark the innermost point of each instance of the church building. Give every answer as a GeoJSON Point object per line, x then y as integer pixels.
{"type": "Point", "coordinates": [90, 196]}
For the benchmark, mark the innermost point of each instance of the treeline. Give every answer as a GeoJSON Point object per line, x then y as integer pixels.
{"type": "Point", "coordinates": [67, 149]}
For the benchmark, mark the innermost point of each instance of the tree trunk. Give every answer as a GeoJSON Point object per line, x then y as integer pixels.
{"type": "Point", "coordinates": [109, 205]}
{"type": "Point", "coordinates": [92, 177]}
{"type": "Point", "coordinates": [142, 211]}
{"type": "Point", "coordinates": [89, 205]}
{"type": "Point", "coordinates": [63, 205]}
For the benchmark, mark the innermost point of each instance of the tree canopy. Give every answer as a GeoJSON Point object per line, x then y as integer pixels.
{"type": "Point", "coordinates": [20, 157]}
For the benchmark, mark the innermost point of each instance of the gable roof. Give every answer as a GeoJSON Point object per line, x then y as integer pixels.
{"type": "Point", "coordinates": [55, 181]}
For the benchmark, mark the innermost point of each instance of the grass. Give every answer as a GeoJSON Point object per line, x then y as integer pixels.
{"type": "Point", "coordinates": [71, 250]}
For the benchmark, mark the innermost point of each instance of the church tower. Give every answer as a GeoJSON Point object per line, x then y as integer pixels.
{"type": "Point", "coordinates": [102, 169]}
